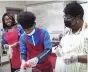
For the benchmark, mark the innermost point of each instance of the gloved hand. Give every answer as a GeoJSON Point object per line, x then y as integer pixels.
{"type": "Point", "coordinates": [23, 62]}
{"type": "Point", "coordinates": [32, 62]}
{"type": "Point", "coordinates": [6, 46]}
{"type": "Point", "coordinates": [54, 49]}
{"type": "Point", "coordinates": [69, 59]}
{"type": "Point", "coordinates": [59, 52]}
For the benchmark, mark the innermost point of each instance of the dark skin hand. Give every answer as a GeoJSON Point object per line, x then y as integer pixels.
{"type": "Point", "coordinates": [82, 59]}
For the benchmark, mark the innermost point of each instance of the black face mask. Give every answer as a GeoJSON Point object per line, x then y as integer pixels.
{"type": "Point", "coordinates": [68, 24]}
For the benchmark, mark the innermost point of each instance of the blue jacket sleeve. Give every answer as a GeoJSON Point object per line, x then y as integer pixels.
{"type": "Point", "coordinates": [20, 29]}
{"type": "Point", "coordinates": [47, 46]}
{"type": "Point", "coordinates": [23, 49]}
{"type": "Point", "coordinates": [3, 41]}
{"type": "Point", "coordinates": [44, 55]}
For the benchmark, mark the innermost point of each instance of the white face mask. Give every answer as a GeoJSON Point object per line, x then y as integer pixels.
{"type": "Point", "coordinates": [31, 33]}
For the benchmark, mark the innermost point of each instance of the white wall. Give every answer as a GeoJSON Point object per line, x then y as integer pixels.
{"type": "Point", "coordinates": [85, 7]}
{"type": "Point", "coordinates": [49, 16]}
{"type": "Point", "coordinates": [11, 4]}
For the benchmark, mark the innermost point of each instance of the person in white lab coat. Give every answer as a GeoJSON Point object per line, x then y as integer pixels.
{"type": "Point", "coordinates": [73, 48]}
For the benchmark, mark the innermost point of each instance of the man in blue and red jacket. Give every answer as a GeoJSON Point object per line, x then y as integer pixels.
{"type": "Point", "coordinates": [35, 44]}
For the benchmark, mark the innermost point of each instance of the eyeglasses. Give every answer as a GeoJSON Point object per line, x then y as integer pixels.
{"type": "Point", "coordinates": [68, 17]}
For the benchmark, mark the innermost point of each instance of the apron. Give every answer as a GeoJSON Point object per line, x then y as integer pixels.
{"type": "Point", "coordinates": [33, 51]}
{"type": "Point", "coordinates": [52, 59]}
{"type": "Point", "coordinates": [12, 37]}
{"type": "Point", "coordinates": [72, 44]}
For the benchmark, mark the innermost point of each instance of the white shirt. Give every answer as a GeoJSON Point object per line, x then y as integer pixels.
{"type": "Point", "coordinates": [31, 34]}
{"type": "Point", "coordinates": [77, 44]}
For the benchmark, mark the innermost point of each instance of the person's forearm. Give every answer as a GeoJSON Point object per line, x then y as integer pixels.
{"type": "Point", "coordinates": [82, 59]}
{"type": "Point", "coordinates": [15, 44]}
{"type": "Point", "coordinates": [44, 55]}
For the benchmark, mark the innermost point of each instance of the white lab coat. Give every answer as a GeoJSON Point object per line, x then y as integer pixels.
{"type": "Point", "coordinates": [73, 44]}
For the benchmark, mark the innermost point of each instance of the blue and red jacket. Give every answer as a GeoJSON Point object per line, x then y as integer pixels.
{"type": "Point", "coordinates": [34, 40]}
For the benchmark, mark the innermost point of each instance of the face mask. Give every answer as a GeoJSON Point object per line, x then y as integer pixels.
{"type": "Point", "coordinates": [68, 24]}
